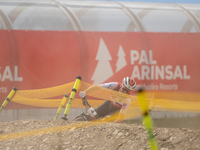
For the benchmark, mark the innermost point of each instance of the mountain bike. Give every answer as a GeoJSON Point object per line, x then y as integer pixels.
{"type": "Point", "coordinates": [90, 115]}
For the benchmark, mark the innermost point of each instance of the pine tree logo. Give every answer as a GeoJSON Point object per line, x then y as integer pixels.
{"type": "Point", "coordinates": [121, 62]}
{"type": "Point", "coordinates": [103, 70]}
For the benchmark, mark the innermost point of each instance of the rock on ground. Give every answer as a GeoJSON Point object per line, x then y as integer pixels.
{"type": "Point", "coordinates": [62, 135]}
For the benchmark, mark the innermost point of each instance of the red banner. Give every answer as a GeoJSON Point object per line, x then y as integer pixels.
{"type": "Point", "coordinates": [158, 61]}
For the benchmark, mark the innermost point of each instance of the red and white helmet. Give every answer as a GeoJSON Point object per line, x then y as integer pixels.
{"type": "Point", "coordinates": [129, 83]}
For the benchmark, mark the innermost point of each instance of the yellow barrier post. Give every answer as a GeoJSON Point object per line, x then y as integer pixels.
{"type": "Point", "coordinates": [62, 104]}
{"type": "Point", "coordinates": [8, 98]}
{"type": "Point", "coordinates": [147, 121]}
{"type": "Point", "coordinates": [78, 79]}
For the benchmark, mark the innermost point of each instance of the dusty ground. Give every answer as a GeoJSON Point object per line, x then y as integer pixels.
{"type": "Point", "coordinates": [62, 135]}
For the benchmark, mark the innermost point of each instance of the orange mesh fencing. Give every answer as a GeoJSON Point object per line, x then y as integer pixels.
{"type": "Point", "coordinates": [161, 101]}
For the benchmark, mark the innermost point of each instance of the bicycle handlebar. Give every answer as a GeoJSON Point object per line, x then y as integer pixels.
{"type": "Point", "coordinates": [85, 102]}
{"type": "Point", "coordinates": [90, 110]}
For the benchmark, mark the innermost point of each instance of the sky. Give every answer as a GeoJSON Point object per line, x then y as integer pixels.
{"type": "Point", "coordinates": [160, 1]}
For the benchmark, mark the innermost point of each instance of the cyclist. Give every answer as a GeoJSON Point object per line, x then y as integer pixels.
{"type": "Point", "coordinates": [114, 104]}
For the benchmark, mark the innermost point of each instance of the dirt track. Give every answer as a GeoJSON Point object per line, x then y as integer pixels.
{"type": "Point", "coordinates": [62, 135]}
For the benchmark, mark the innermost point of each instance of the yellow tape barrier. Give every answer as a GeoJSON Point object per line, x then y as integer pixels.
{"type": "Point", "coordinates": [161, 101]}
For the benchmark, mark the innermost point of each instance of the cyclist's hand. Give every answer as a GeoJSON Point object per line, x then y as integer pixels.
{"type": "Point", "coordinates": [82, 94]}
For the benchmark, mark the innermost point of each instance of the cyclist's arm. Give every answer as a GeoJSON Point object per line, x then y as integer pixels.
{"type": "Point", "coordinates": [92, 88]}
{"type": "Point", "coordinates": [111, 85]}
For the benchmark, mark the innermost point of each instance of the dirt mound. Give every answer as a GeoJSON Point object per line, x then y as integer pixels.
{"type": "Point", "coordinates": [62, 135]}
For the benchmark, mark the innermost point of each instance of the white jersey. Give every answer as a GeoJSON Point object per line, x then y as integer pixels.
{"type": "Point", "coordinates": [123, 105]}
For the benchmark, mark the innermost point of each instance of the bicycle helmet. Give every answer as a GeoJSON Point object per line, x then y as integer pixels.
{"type": "Point", "coordinates": [129, 83]}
